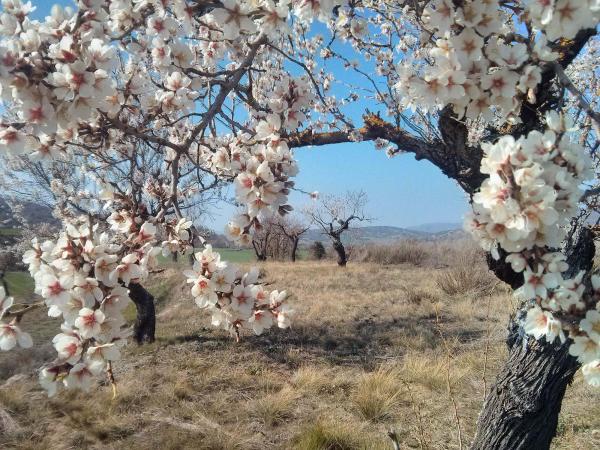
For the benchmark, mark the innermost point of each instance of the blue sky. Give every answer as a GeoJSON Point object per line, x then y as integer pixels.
{"type": "Point", "coordinates": [402, 191]}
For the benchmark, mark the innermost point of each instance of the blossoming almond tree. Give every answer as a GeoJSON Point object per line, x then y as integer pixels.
{"type": "Point", "coordinates": [229, 87]}
{"type": "Point", "coordinates": [133, 175]}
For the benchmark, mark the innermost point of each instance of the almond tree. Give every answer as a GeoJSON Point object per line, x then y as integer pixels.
{"type": "Point", "coordinates": [132, 172]}
{"type": "Point", "coordinates": [483, 89]}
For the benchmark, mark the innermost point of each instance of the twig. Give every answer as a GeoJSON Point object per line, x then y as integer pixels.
{"type": "Point", "coordinates": [111, 379]}
{"type": "Point", "coordinates": [487, 346]}
{"type": "Point", "coordinates": [417, 412]}
{"type": "Point", "coordinates": [18, 314]}
{"type": "Point", "coordinates": [394, 437]}
{"type": "Point", "coordinates": [583, 103]}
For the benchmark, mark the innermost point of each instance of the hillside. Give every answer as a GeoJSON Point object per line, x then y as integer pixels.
{"type": "Point", "coordinates": [387, 234]}
{"type": "Point", "coordinates": [35, 213]}
{"type": "Point", "coordinates": [437, 227]}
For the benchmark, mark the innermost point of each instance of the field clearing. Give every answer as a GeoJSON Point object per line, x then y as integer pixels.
{"type": "Point", "coordinates": [372, 348]}
{"type": "Point", "coordinates": [20, 285]}
{"type": "Point", "coordinates": [9, 231]}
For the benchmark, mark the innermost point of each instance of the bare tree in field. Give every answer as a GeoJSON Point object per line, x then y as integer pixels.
{"type": "Point", "coordinates": [261, 240]}
{"type": "Point", "coordinates": [334, 214]}
{"type": "Point", "coordinates": [292, 228]}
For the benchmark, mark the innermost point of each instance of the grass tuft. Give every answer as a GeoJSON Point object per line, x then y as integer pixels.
{"type": "Point", "coordinates": [273, 409]}
{"type": "Point", "coordinates": [325, 435]}
{"type": "Point", "coordinates": [377, 393]}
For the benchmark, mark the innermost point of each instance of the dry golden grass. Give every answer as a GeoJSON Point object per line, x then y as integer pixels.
{"type": "Point", "coordinates": [377, 394]}
{"type": "Point", "coordinates": [370, 350]}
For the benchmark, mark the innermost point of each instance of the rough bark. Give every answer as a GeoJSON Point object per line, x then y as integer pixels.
{"type": "Point", "coordinates": [341, 253]}
{"type": "Point", "coordinates": [145, 321]}
{"type": "Point", "coordinates": [522, 408]}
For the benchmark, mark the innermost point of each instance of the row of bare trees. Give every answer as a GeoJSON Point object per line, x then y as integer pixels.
{"type": "Point", "coordinates": [334, 214]}
{"type": "Point", "coordinates": [279, 237]}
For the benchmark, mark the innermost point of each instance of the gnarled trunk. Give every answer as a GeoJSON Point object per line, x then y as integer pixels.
{"type": "Point", "coordinates": [522, 408]}
{"type": "Point", "coordinates": [145, 321]}
{"type": "Point", "coordinates": [341, 253]}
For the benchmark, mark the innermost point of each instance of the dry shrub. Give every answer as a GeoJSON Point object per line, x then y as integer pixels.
{"type": "Point", "coordinates": [461, 280]}
{"type": "Point", "coordinates": [425, 371]}
{"type": "Point", "coordinates": [376, 394]}
{"type": "Point", "coordinates": [411, 252]}
{"type": "Point", "coordinates": [312, 379]}
{"type": "Point", "coordinates": [416, 296]}
{"type": "Point", "coordinates": [468, 273]}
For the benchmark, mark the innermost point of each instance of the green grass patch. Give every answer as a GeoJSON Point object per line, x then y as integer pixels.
{"type": "Point", "coordinates": [9, 232]}
{"type": "Point", "coordinates": [236, 255]}
{"type": "Point", "coordinates": [233, 255]}
{"type": "Point", "coordinates": [20, 285]}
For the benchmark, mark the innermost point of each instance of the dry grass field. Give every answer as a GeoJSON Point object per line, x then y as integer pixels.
{"type": "Point", "coordinates": [374, 347]}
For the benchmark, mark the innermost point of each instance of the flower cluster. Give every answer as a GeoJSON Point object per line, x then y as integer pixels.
{"type": "Point", "coordinates": [10, 333]}
{"type": "Point", "coordinates": [481, 65]}
{"type": "Point", "coordinates": [263, 162]}
{"type": "Point", "coordinates": [563, 18]}
{"type": "Point", "coordinates": [524, 207]}
{"type": "Point", "coordinates": [236, 300]}
{"type": "Point", "coordinates": [83, 278]}
{"type": "Point", "coordinates": [532, 190]}
{"type": "Point", "coordinates": [54, 74]}
{"type": "Point", "coordinates": [60, 76]}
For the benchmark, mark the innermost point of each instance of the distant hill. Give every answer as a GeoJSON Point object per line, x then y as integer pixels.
{"type": "Point", "coordinates": [437, 227]}
{"type": "Point", "coordinates": [385, 234]}
{"type": "Point", "coordinates": [35, 213]}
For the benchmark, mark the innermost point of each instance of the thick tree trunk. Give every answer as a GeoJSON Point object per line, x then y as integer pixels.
{"type": "Point", "coordinates": [341, 253]}
{"type": "Point", "coordinates": [522, 408]}
{"type": "Point", "coordinates": [145, 322]}
{"type": "Point", "coordinates": [294, 248]}
{"type": "Point", "coordinates": [521, 411]}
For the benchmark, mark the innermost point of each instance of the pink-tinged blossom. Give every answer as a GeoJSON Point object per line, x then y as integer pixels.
{"type": "Point", "coordinates": [49, 378]}
{"type": "Point", "coordinates": [591, 373]}
{"type": "Point", "coordinates": [540, 323]}
{"type": "Point", "coordinates": [260, 321]}
{"type": "Point", "coordinates": [89, 322]}
{"type": "Point", "coordinates": [68, 347]}
{"type": "Point", "coordinates": [79, 377]}
{"type": "Point", "coordinates": [11, 335]}
{"type": "Point", "coordinates": [284, 316]}
{"type": "Point", "coordinates": [98, 356]}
